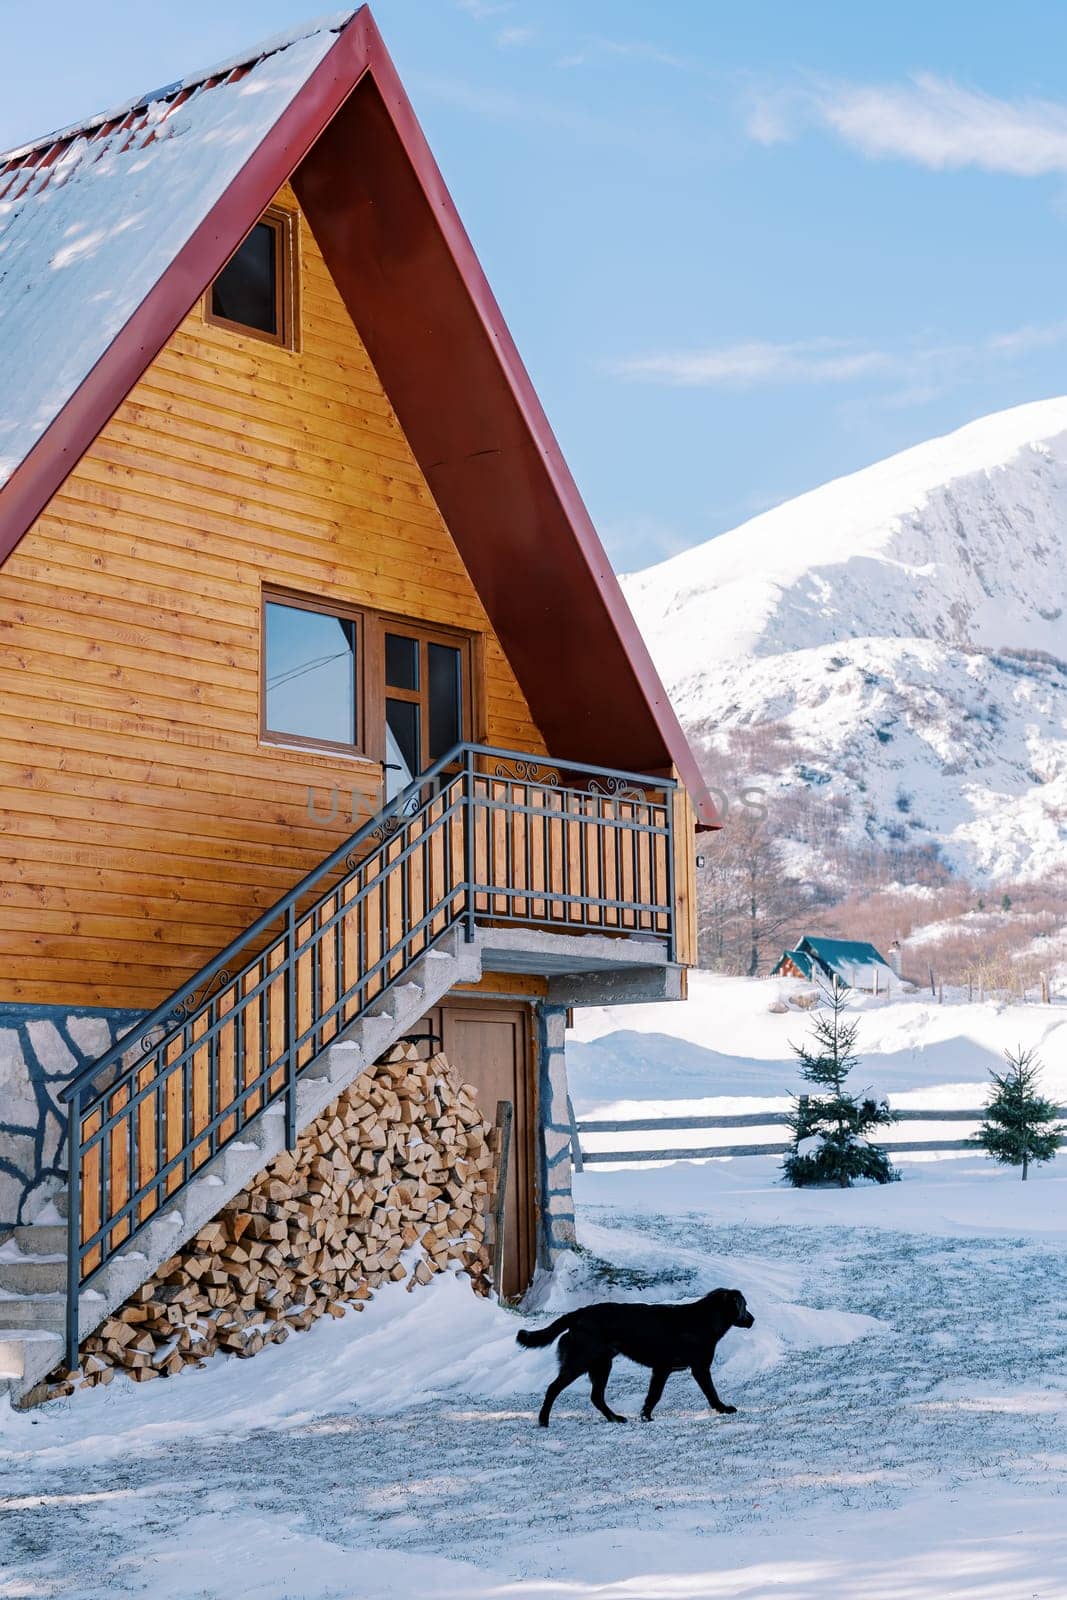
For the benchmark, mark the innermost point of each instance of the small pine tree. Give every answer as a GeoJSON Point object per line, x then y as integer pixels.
{"type": "Point", "coordinates": [1020, 1124]}
{"type": "Point", "coordinates": [829, 1128]}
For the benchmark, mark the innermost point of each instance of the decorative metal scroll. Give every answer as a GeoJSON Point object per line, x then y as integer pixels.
{"type": "Point", "coordinates": [527, 772]}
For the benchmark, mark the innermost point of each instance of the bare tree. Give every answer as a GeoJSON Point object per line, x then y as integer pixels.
{"type": "Point", "coordinates": [747, 897]}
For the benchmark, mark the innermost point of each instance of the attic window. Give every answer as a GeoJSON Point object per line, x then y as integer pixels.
{"type": "Point", "coordinates": [255, 291]}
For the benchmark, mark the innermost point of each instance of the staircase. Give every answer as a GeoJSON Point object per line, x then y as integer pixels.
{"type": "Point", "coordinates": [466, 863]}
{"type": "Point", "coordinates": [33, 1281]}
{"type": "Point", "coordinates": [33, 1266]}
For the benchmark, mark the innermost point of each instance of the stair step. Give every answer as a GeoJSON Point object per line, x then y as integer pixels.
{"type": "Point", "coordinates": [42, 1238]}
{"type": "Point", "coordinates": [337, 1062]}
{"type": "Point", "coordinates": [232, 1162]}
{"type": "Point", "coordinates": [55, 1208]}
{"type": "Point", "coordinates": [18, 1344]}
{"type": "Point", "coordinates": [44, 1312]}
{"type": "Point", "coordinates": [21, 1274]}
{"type": "Point", "coordinates": [33, 1265]}
{"type": "Point", "coordinates": [375, 1032]}
{"type": "Point", "coordinates": [405, 995]}
{"type": "Point", "coordinates": [309, 1099]}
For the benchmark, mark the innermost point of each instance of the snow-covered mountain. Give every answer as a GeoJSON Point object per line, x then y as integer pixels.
{"type": "Point", "coordinates": [908, 625]}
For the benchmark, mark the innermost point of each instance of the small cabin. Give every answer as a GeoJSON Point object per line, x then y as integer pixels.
{"type": "Point", "coordinates": [326, 730]}
{"type": "Point", "coordinates": [852, 963]}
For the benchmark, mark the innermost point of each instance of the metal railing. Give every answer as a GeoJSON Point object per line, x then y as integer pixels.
{"type": "Point", "coordinates": [582, 1157]}
{"type": "Point", "coordinates": [484, 836]}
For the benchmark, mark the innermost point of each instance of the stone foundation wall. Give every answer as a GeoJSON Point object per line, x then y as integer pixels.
{"type": "Point", "coordinates": [41, 1047]}
{"type": "Point", "coordinates": [556, 1198]}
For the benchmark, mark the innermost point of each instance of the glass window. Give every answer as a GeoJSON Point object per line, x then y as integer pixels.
{"type": "Point", "coordinates": [389, 690]}
{"type": "Point", "coordinates": [310, 674]}
{"type": "Point", "coordinates": [246, 290]}
{"type": "Point", "coordinates": [401, 661]}
{"type": "Point", "coordinates": [402, 722]}
{"type": "Point", "coordinates": [444, 669]}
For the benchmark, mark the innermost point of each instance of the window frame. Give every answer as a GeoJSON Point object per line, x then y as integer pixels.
{"type": "Point", "coordinates": [371, 691]}
{"type": "Point", "coordinates": [283, 223]}
{"type": "Point", "coordinates": [427, 633]}
{"type": "Point", "coordinates": [306, 741]}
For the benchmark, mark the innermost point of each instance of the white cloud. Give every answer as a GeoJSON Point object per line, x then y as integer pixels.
{"type": "Point", "coordinates": [661, 144]}
{"type": "Point", "coordinates": [640, 50]}
{"type": "Point", "coordinates": [775, 118]}
{"type": "Point", "coordinates": [637, 541]}
{"type": "Point", "coordinates": [757, 362]}
{"type": "Point", "coordinates": [925, 366]}
{"type": "Point", "coordinates": [484, 10]}
{"type": "Point", "coordinates": [596, 47]}
{"type": "Point", "coordinates": [929, 120]}
{"type": "Point", "coordinates": [515, 38]}
{"type": "Point", "coordinates": [1029, 337]}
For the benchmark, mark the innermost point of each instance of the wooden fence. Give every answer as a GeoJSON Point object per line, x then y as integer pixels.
{"type": "Point", "coordinates": [754, 1119]}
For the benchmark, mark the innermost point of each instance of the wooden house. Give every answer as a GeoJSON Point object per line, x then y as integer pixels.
{"type": "Point", "coordinates": [325, 724]}
{"type": "Point", "coordinates": [852, 963]}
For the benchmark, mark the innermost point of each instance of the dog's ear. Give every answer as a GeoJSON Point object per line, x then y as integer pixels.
{"type": "Point", "coordinates": [743, 1317]}
{"type": "Point", "coordinates": [722, 1303]}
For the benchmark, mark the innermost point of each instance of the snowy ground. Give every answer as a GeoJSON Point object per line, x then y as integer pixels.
{"type": "Point", "coordinates": [726, 1051]}
{"type": "Point", "coordinates": [902, 1431]}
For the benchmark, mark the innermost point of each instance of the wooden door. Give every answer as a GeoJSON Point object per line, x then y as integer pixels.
{"type": "Point", "coordinates": [490, 1047]}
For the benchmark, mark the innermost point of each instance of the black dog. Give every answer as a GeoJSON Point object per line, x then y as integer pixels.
{"type": "Point", "coordinates": [666, 1338]}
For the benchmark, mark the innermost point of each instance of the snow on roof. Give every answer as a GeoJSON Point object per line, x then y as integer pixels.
{"type": "Point", "coordinates": [852, 961]}
{"type": "Point", "coordinates": [841, 949]}
{"type": "Point", "coordinates": [92, 216]}
{"type": "Point", "coordinates": [845, 958]}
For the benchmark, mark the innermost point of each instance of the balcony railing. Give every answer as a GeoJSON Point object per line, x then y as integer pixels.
{"type": "Point", "coordinates": [484, 837]}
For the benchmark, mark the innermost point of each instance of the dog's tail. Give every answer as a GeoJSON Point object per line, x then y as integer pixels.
{"type": "Point", "coordinates": [537, 1338]}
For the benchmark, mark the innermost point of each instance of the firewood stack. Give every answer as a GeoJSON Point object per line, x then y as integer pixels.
{"type": "Point", "coordinates": [403, 1161]}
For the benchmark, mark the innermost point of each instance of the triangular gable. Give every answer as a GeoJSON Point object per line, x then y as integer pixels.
{"type": "Point", "coordinates": [183, 176]}
{"type": "Point", "coordinates": [799, 958]}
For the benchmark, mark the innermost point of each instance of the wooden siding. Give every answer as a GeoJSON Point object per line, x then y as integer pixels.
{"type": "Point", "coordinates": [506, 985]}
{"type": "Point", "coordinates": [685, 878]}
{"type": "Point", "coordinates": [144, 822]}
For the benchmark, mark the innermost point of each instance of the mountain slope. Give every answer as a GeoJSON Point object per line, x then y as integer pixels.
{"type": "Point", "coordinates": [908, 626]}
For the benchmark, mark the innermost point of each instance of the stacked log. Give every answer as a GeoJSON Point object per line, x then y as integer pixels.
{"type": "Point", "coordinates": [393, 1181]}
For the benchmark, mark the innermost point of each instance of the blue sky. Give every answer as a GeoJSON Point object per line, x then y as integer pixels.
{"type": "Point", "coordinates": [742, 249]}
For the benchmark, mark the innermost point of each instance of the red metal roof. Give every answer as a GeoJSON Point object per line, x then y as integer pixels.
{"type": "Point", "coordinates": [377, 204]}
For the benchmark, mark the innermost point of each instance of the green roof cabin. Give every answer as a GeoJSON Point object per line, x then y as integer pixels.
{"type": "Point", "coordinates": [851, 962]}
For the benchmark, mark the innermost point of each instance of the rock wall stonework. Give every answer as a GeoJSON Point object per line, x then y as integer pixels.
{"type": "Point", "coordinates": [40, 1048]}
{"type": "Point", "coordinates": [557, 1200]}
